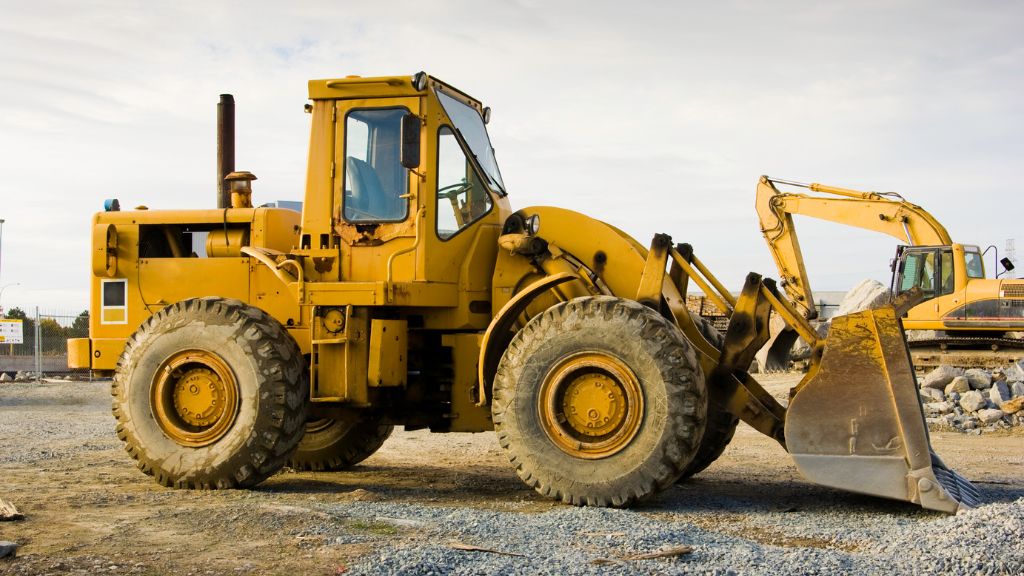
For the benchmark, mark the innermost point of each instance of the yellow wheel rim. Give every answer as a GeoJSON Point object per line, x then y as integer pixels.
{"type": "Point", "coordinates": [591, 405]}
{"type": "Point", "coordinates": [194, 398]}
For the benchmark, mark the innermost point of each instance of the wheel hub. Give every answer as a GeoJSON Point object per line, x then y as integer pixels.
{"type": "Point", "coordinates": [591, 405]}
{"type": "Point", "coordinates": [199, 397]}
{"type": "Point", "coordinates": [194, 398]}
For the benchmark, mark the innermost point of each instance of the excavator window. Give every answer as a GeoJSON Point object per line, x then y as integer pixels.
{"type": "Point", "coordinates": [375, 180]}
{"type": "Point", "coordinates": [462, 197]}
{"type": "Point", "coordinates": [975, 265]}
{"type": "Point", "coordinates": [946, 271]}
{"type": "Point", "coordinates": [919, 270]}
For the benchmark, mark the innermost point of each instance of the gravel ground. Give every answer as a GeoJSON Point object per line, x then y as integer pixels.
{"type": "Point", "coordinates": [418, 504]}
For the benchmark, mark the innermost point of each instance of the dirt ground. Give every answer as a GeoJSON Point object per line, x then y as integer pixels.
{"type": "Point", "coordinates": [89, 510]}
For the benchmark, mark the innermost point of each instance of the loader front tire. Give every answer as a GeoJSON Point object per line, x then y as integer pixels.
{"type": "Point", "coordinates": [336, 444]}
{"type": "Point", "coordinates": [209, 393]}
{"type": "Point", "coordinates": [599, 401]}
{"type": "Point", "coordinates": [721, 425]}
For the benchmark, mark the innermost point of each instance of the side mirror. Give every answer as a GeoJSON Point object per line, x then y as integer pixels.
{"type": "Point", "coordinates": [1007, 264]}
{"type": "Point", "coordinates": [410, 141]}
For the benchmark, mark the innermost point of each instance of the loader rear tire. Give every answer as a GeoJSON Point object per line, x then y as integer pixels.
{"type": "Point", "coordinates": [209, 393]}
{"type": "Point", "coordinates": [599, 401]}
{"type": "Point", "coordinates": [721, 425]}
{"type": "Point", "coordinates": [333, 444]}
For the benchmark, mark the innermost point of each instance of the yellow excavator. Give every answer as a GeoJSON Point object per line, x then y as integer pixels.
{"type": "Point", "coordinates": [959, 302]}
{"type": "Point", "coordinates": [408, 292]}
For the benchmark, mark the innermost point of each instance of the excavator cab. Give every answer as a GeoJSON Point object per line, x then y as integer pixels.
{"type": "Point", "coordinates": [934, 269]}
{"type": "Point", "coordinates": [928, 268]}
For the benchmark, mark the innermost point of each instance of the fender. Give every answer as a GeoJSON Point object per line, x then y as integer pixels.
{"type": "Point", "coordinates": [498, 333]}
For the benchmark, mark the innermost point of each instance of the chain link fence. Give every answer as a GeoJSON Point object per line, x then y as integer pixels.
{"type": "Point", "coordinates": [43, 346]}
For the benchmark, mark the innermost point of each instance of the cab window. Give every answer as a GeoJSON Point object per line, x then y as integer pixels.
{"type": "Point", "coordinates": [375, 181]}
{"type": "Point", "coordinates": [975, 266]}
{"type": "Point", "coordinates": [946, 272]}
{"type": "Point", "coordinates": [462, 198]}
{"type": "Point", "coordinates": [919, 270]}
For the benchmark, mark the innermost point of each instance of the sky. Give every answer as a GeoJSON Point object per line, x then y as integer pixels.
{"type": "Point", "coordinates": [653, 116]}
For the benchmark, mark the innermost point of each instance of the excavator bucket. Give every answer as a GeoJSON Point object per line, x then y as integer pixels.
{"type": "Point", "coordinates": [855, 421]}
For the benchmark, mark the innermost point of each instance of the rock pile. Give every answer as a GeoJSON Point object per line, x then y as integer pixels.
{"type": "Point", "coordinates": [19, 376]}
{"type": "Point", "coordinates": [973, 400]}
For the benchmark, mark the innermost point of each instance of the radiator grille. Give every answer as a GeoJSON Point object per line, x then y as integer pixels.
{"type": "Point", "coordinates": [1015, 290]}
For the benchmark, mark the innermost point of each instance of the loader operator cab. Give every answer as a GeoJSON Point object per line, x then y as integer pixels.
{"type": "Point", "coordinates": [377, 166]}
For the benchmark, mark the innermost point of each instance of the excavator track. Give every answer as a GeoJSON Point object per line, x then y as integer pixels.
{"type": "Point", "coordinates": [965, 352]}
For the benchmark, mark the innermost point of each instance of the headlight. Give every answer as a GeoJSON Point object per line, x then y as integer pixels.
{"type": "Point", "coordinates": [419, 81]}
{"type": "Point", "coordinates": [533, 225]}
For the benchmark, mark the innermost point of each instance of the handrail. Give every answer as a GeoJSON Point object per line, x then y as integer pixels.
{"type": "Point", "coordinates": [389, 286]}
{"type": "Point", "coordinates": [278, 268]}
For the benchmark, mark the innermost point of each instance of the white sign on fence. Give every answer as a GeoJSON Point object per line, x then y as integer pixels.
{"type": "Point", "coordinates": [10, 332]}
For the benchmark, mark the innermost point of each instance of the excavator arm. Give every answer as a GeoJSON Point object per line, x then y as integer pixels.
{"type": "Point", "coordinates": [885, 212]}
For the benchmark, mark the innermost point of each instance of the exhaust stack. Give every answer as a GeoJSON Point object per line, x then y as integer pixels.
{"type": "Point", "coordinates": [225, 148]}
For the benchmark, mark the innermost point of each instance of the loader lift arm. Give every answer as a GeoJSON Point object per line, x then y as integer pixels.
{"type": "Point", "coordinates": [854, 421]}
{"type": "Point", "coordinates": [885, 212]}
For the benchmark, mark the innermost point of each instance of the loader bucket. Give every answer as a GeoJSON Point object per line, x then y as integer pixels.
{"type": "Point", "coordinates": [855, 421]}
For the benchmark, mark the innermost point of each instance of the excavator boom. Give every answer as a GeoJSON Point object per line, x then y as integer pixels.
{"type": "Point", "coordinates": [885, 212]}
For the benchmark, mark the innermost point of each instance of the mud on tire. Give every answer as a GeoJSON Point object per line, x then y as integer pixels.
{"type": "Point", "coordinates": [335, 444]}
{"type": "Point", "coordinates": [209, 393]}
{"type": "Point", "coordinates": [670, 406]}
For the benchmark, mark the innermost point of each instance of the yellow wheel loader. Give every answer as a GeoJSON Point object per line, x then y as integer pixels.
{"type": "Point", "coordinates": [409, 292]}
{"type": "Point", "coordinates": [966, 308]}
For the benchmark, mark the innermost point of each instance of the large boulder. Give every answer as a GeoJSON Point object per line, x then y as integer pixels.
{"type": "Point", "coordinates": [999, 393]}
{"type": "Point", "coordinates": [990, 416]}
{"type": "Point", "coordinates": [938, 408]}
{"type": "Point", "coordinates": [932, 395]}
{"type": "Point", "coordinates": [1013, 406]}
{"type": "Point", "coordinates": [1017, 389]}
{"type": "Point", "coordinates": [940, 377]}
{"type": "Point", "coordinates": [978, 379]}
{"type": "Point", "coordinates": [864, 296]}
{"type": "Point", "coordinates": [1014, 372]}
{"type": "Point", "coordinates": [972, 401]}
{"type": "Point", "coordinates": [958, 385]}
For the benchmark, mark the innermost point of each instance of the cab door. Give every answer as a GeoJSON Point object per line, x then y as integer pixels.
{"type": "Point", "coordinates": [377, 198]}
{"type": "Point", "coordinates": [930, 268]}
{"type": "Point", "coordinates": [466, 208]}
{"type": "Point", "coordinates": [919, 268]}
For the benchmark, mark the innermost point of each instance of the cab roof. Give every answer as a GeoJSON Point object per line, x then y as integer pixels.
{"type": "Point", "coordinates": [351, 87]}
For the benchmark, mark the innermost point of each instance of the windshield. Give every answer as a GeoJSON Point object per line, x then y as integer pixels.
{"type": "Point", "coordinates": [470, 126]}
